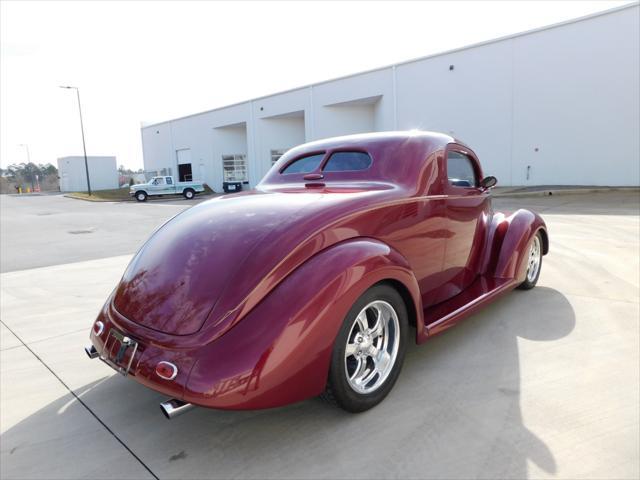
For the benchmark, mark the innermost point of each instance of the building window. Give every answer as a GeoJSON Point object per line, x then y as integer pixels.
{"type": "Point", "coordinates": [275, 155]}
{"type": "Point", "coordinates": [235, 168]}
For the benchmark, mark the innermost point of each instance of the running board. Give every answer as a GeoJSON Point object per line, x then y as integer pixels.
{"type": "Point", "coordinates": [438, 318]}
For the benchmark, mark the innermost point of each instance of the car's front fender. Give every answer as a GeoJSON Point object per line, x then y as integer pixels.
{"type": "Point", "coordinates": [280, 352]}
{"type": "Point", "coordinates": [511, 237]}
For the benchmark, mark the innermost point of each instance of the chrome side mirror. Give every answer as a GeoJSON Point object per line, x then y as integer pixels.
{"type": "Point", "coordinates": [488, 182]}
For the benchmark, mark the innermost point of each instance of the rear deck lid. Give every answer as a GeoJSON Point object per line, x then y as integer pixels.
{"type": "Point", "coordinates": [174, 281]}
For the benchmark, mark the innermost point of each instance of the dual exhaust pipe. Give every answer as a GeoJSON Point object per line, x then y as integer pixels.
{"type": "Point", "coordinates": [173, 407]}
{"type": "Point", "coordinates": [170, 408]}
{"type": "Point", "coordinates": [91, 351]}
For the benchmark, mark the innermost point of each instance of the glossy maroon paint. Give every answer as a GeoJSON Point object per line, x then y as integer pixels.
{"type": "Point", "coordinates": [245, 293]}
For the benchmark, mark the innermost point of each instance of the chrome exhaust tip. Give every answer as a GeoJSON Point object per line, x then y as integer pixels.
{"type": "Point", "coordinates": [91, 351]}
{"type": "Point", "coordinates": [172, 408]}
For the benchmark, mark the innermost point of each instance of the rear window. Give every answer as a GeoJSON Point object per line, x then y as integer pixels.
{"type": "Point", "coordinates": [347, 161]}
{"type": "Point", "coordinates": [304, 164]}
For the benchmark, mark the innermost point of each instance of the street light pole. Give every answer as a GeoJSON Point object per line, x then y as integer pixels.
{"type": "Point", "coordinates": [29, 163]}
{"type": "Point", "coordinates": [27, 148]}
{"type": "Point", "coordinates": [86, 163]}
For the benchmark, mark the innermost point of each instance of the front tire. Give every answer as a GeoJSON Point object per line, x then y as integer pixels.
{"type": "Point", "coordinates": [189, 193]}
{"type": "Point", "coordinates": [369, 350]}
{"type": "Point", "coordinates": [141, 196]}
{"type": "Point", "coordinates": [534, 263]}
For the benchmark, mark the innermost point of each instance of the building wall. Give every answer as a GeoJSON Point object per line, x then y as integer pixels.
{"type": "Point", "coordinates": [557, 106]}
{"type": "Point", "coordinates": [472, 102]}
{"type": "Point", "coordinates": [277, 133]}
{"type": "Point", "coordinates": [103, 173]}
{"type": "Point", "coordinates": [578, 103]}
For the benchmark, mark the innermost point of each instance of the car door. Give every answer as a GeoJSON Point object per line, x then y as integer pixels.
{"type": "Point", "coordinates": [419, 230]}
{"type": "Point", "coordinates": [468, 211]}
{"type": "Point", "coordinates": [157, 186]}
{"type": "Point", "coordinates": [170, 187]}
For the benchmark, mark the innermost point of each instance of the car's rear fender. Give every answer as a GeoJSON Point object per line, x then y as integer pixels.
{"type": "Point", "coordinates": [280, 351]}
{"type": "Point", "coordinates": [509, 241]}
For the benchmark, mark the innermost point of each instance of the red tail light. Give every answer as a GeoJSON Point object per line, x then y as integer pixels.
{"type": "Point", "coordinates": [98, 327]}
{"type": "Point", "coordinates": [166, 370]}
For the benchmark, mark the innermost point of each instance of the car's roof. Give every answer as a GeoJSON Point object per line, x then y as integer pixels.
{"type": "Point", "coordinates": [398, 157]}
{"type": "Point", "coordinates": [366, 139]}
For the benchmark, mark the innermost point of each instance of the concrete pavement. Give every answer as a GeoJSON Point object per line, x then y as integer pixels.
{"type": "Point", "coordinates": [38, 231]}
{"type": "Point", "coordinates": [541, 384]}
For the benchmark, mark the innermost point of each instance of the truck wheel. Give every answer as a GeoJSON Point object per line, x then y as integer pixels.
{"type": "Point", "coordinates": [141, 196]}
{"type": "Point", "coordinates": [189, 193]}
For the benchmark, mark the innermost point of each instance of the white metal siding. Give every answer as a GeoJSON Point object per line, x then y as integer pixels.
{"type": "Point", "coordinates": [561, 103]}
{"type": "Point", "coordinates": [103, 173]}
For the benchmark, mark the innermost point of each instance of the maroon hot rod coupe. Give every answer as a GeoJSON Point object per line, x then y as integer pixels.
{"type": "Point", "coordinates": [308, 285]}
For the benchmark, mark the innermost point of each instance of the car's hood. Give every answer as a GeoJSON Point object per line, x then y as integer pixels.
{"type": "Point", "coordinates": [138, 185]}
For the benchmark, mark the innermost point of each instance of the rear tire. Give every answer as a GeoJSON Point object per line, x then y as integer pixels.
{"type": "Point", "coordinates": [189, 193]}
{"type": "Point", "coordinates": [141, 196]}
{"type": "Point", "coordinates": [534, 263]}
{"type": "Point", "coordinates": [369, 350]}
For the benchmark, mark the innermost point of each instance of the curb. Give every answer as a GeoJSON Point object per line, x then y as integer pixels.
{"type": "Point", "coordinates": [97, 200]}
{"type": "Point", "coordinates": [128, 200]}
{"type": "Point", "coordinates": [565, 191]}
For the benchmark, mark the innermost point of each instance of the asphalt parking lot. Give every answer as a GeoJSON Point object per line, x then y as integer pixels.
{"type": "Point", "coordinates": [43, 230]}
{"type": "Point", "coordinates": [541, 384]}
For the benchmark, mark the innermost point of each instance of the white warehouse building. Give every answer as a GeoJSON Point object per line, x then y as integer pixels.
{"type": "Point", "coordinates": [558, 105]}
{"type": "Point", "coordinates": [103, 173]}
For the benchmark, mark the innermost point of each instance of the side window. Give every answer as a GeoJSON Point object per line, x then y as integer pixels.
{"type": "Point", "coordinates": [460, 170]}
{"type": "Point", "coordinates": [169, 181]}
{"type": "Point", "coordinates": [304, 164]}
{"type": "Point", "coordinates": [347, 161]}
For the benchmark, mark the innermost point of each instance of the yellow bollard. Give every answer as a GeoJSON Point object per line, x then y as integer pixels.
{"type": "Point", "coordinates": [20, 190]}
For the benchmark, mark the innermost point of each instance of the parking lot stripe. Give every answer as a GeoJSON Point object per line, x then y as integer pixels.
{"type": "Point", "coordinates": [82, 403]}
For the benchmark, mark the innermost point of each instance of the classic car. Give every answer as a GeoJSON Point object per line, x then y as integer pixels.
{"type": "Point", "coordinates": [165, 185]}
{"type": "Point", "coordinates": [314, 282]}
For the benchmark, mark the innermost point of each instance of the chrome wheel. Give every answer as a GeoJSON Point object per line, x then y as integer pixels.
{"type": "Point", "coordinates": [372, 347]}
{"type": "Point", "coordinates": [535, 256]}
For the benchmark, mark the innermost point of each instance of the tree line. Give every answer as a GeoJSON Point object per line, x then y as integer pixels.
{"type": "Point", "coordinates": [29, 175]}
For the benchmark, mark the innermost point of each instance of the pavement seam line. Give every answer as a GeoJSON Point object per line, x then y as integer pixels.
{"type": "Point", "coordinates": [126, 447]}
{"type": "Point", "coordinates": [46, 338]}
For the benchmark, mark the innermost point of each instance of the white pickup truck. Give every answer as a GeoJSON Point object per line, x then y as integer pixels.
{"type": "Point", "coordinates": [165, 185]}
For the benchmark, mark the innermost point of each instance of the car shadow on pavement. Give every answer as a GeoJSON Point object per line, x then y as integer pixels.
{"type": "Point", "coordinates": [455, 412]}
